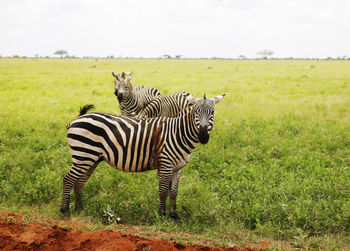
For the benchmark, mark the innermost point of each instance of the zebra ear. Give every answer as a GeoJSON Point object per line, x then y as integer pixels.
{"type": "Point", "coordinates": [217, 99]}
{"type": "Point", "coordinates": [129, 73]}
{"type": "Point", "coordinates": [128, 79]}
{"type": "Point", "coordinates": [192, 100]}
{"type": "Point", "coordinates": [116, 76]}
{"type": "Point", "coordinates": [123, 75]}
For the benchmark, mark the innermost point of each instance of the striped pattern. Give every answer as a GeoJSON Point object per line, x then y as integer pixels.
{"type": "Point", "coordinates": [132, 99]}
{"type": "Point", "coordinates": [166, 105]}
{"type": "Point", "coordinates": [136, 145]}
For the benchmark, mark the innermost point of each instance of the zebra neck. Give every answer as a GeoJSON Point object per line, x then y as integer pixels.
{"type": "Point", "coordinates": [186, 131]}
{"type": "Point", "coordinates": [194, 132]}
{"type": "Point", "coordinates": [130, 105]}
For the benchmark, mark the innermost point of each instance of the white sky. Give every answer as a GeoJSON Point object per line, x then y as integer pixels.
{"type": "Point", "coordinates": [192, 28]}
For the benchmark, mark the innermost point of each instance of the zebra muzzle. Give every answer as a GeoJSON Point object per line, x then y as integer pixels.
{"type": "Point", "coordinates": [203, 135]}
{"type": "Point", "coordinates": [120, 97]}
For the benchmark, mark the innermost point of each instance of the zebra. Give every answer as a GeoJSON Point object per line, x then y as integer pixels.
{"type": "Point", "coordinates": [137, 145]}
{"type": "Point", "coordinates": [166, 105]}
{"type": "Point", "coordinates": [132, 99]}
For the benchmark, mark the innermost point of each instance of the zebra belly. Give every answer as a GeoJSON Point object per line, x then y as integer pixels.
{"type": "Point", "coordinates": [133, 168]}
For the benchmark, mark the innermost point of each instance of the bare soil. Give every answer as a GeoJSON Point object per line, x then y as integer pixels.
{"type": "Point", "coordinates": [18, 235]}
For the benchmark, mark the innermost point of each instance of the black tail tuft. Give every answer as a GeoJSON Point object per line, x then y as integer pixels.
{"type": "Point", "coordinates": [85, 109]}
{"type": "Point", "coordinates": [82, 111]}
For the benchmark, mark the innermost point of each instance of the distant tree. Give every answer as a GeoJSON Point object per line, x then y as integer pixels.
{"type": "Point", "coordinates": [61, 53]}
{"type": "Point", "coordinates": [16, 56]}
{"type": "Point", "coordinates": [265, 53]}
{"type": "Point", "coordinates": [242, 57]}
{"type": "Point", "coordinates": [178, 56]}
{"type": "Point", "coordinates": [166, 56]}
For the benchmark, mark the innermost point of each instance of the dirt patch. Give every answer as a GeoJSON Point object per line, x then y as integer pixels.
{"type": "Point", "coordinates": [36, 236]}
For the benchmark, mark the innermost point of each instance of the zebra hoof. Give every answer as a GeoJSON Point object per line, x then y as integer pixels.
{"type": "Point", "coordinates": [174, 216]}
{"type": "Point", "coordinates": [65, 211]}
{"type": "Point", "coordinates": [162, 213]}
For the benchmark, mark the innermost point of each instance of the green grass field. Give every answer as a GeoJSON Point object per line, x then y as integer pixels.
{"type": "Point", "coordinates": [277, 163]}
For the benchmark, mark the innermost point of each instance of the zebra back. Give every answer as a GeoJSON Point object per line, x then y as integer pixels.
{"type": "Point", "coordinates": [166, 105]}
{"type": "Point", "coordinates": [137, 88]}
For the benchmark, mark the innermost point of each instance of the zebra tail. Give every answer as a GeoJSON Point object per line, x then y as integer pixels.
{"type": "Point", "coordinates": [83, 110]}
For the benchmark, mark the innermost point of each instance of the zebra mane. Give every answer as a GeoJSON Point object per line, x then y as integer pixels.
{"type": "Point", "coordinates": [185, 111]}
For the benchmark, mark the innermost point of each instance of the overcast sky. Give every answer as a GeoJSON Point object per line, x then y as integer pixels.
{"type": "Point", "coordinates": [192, 28]}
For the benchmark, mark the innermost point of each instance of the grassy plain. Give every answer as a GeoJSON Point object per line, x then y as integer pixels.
{"type": "Point", "coordinates": [277, 164]}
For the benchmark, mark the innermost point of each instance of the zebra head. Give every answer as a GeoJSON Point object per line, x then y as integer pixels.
{"type": "Point", "coordinates": [203, 115]}
{"type": "Point", "coordinates": [122, 86]}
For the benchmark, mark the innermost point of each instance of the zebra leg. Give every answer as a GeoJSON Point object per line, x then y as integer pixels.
{"type": "Point", "coordinates": [79, 185]}
{"type": "Point", "coordinates": [173, 193]}
{"type": "Point", "coordinates": [75, 174]}
{"type": "Point", "coordinates": [68, 182]}
{"type": "Point", "coordinates": [78, 188]}
{"type": "Point", "coordinates": [164, 179]}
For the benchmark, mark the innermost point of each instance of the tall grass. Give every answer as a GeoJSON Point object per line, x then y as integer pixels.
{"type": "Point", "coordinates": [277, 161]}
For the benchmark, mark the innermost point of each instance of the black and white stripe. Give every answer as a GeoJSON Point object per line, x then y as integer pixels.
{"type": "Point", "coordinates": [166, 105]}
{"type": "Point", "coordinates": [132, 99]}
{"type": "Point", "coordinates": [137, 145]}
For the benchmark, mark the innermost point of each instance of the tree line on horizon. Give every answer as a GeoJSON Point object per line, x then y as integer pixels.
{"type": "Point", "coordinates": [263, 54]}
